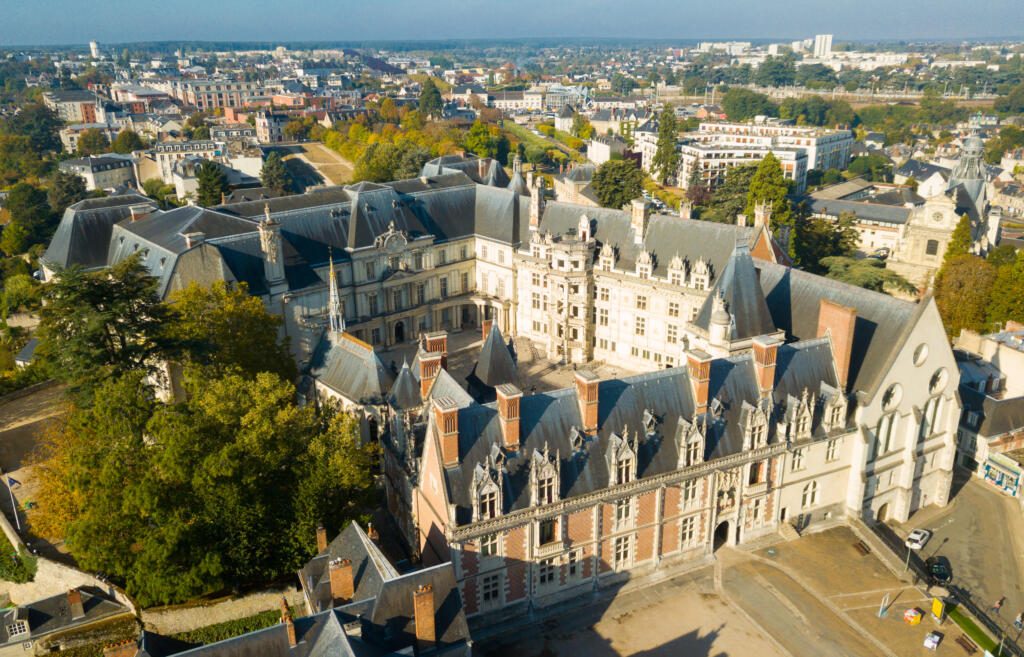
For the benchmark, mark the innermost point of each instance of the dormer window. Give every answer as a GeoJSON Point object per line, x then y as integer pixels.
{"type": "Point", "coordinates": [624, 470]}
{"type": "Point", "coordinates": [836, 416]}
{"type": "Point", "coordinates": [546, 490]}
{"type": "Point", "coordinates": [693, 453]}
{"type": "Point", "coordinates": [488, 505]}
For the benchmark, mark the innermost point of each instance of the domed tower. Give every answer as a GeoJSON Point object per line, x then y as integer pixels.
{"type": "Point", "coordinates": [970, 170]}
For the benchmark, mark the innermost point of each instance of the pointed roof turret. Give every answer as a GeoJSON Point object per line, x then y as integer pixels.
{"type": "Point", "coordinates": [337, 315]}
{"type": "Point", "coordinates": [738, 293]}
{"type": "Point", "coordinates": [495, 367]}
{"type": "Point", "coordinates": [405, 393]}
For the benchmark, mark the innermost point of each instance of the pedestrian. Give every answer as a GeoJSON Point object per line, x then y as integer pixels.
{"type": "Point", "coordinates": [1018, 622]}
{"type": "Point", "coordinates": [995, 608]}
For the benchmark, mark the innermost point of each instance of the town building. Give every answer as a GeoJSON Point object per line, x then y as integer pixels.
{"type": "Point", "coordinates": [72, 105]}
{"type": "Point", "coordinates": [103, 171]}
{"type": "Point", "coordinates": [270, 127]}
{"type": "Point", "coordinates": [217, 94]}
{"type": "Point", "coordinates": [29, 628]}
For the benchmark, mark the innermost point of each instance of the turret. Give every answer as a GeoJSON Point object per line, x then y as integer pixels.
{"type": "Point", "coordinates": [273, 253]}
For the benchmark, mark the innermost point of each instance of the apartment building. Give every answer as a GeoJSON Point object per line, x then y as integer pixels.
{"type": "Point", "coordinates": [72, 105]}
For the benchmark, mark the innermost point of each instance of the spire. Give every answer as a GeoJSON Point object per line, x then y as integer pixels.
{"type": "Point", "coordinates": [334, 302]}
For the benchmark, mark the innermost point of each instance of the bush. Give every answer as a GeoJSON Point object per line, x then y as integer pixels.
{"type": "Point", "coordinates": [231, 629]}
{"type": "Point", "coordinates": [17, 566]}
{"type": "Point", "coordinates": [22, 377]}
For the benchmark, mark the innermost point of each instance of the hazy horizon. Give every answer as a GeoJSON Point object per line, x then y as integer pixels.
{"type": "Point", "coordinates": [65, 23]}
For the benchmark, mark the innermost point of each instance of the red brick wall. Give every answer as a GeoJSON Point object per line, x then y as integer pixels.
{"type": "Point", "coordinates": [672, 497]}
{"type": "Point", "coordinates": [644, 544]}
{"type": "Point", "coordinates": [470, 559]}
{"type": "Point", "coordinates": [670, 537]}
{"type": "Point", "coordinates": [469, 596]}
{"type": "Point", "coordinates": [515, 561]}
{"type": "Point", "coordinates": [581, 527]}
{"type": "Point", "coordinates": [646, 507]}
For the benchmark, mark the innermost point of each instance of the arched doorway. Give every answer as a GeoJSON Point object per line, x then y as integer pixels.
{"type": "Point", "coordinates": [883, 513]}
{"type": "Point", "coordinates": [399, 331]}
{"type": "Point", "coordinates": [721, 535]}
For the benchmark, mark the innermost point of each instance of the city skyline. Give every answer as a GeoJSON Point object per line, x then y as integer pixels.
{"type": "Point", "coordinates": [53, 22]}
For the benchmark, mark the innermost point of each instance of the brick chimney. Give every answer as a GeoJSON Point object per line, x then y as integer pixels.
{"type": "Point", "coordinates": [699, 365]}
{"type": "Point", "coordinates": [762, 214]}
{"type": "Point", "coordinates": [586, 395]}
{"type": "Point", "coordinates": [638, 219]}
{"type": "Point", "coordinates": [139, 211]}
{"type": "Point", "coordinates": [446, 416]}
{"type": "Point", "coordinates": [321, 539]}
{"type": "Point", "coordinates": [485, 328]}
{"type": "Point", "coordinates": [437, 342]}
{"type": "Point", "coordinates": [126, 648]}
{"type": "Point", "coordinates": [75, 604]}
{"type": "Point", "coordinates": [289, 625]}
{"type": "Point", "coordinates": [509, 398]}
{"type": "Point", "coordinates": [536, 203]}
{"type": "Point", "coordinates": [430, 367]}
{"type": "Point", "coordinates": [838, 322]}
{"type": "Point", "coordinates": [766, 350]}
{"type": "Point", "coordinates": [343, 584]}
{"type": "Point", "coordinates": [423, 616]}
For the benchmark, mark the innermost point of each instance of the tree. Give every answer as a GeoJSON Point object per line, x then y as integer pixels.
{"type": "Point", "coordinates": [769, 185]}
{"type": "Point", "coordinates": [221, 328]}
{"type": "Point", "coordinates": [92, 142]}
{"type": "Point", "coordinates": [666, 157]}
{"type": "Point", "coordinates": [21, 292]}
{"type": "Point", "coordinates": [622, 84]}
{"type": "Point", "coordinates": [66, 188]}
{"type": "Point", "coordinates": [430, 99]}
{"type": "Point", "coordinates": [960, 241]}
{"type": "Point", "coordinates": [581, 126]}
{"type": "Point", "coordinates": [743, 104]}
{"type": "Point", "coordinates": [869, 273]}
{"type": "Point", "coordinates": [962, 290]}
{"type": "Point", "coordinates": [617, 182]}
{"type": "Point", "coordinates": [696, 191]}
{"type": "Point", "coordinates": [40, 125]}
{"type": "Point", "coordinates": [389, 111]}
{"type": "Point", "coordinates": [224, 489]}
{"type": "Point", "coordinates": [776, 72]}
{"type": "Point", "coordinates": [31, 220]}
{"type": "Point", "coordinates": [213, 184]}
{"type": "Point", "coordinates": [1013, 102]}
{"type": "Point", "coordinates": [874, 167]}
{"type": "Point", "coordinates": [102, 325]}
{"type": "Point", "coordinates": [274, 174]}
{"type": "Point", "coordinates": [126, 142]}
{"type": "Point", "coordinates": [487, 141]}
{"type": "Point", "coordinates": [1006, 302]}
{"type": "Point", "coordinates": [817, 239]}
{"type": "Point", "coordinates": [730, 198]}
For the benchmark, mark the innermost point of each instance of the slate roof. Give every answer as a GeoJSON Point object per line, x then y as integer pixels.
{"type": "Point", "coordinates": [921, 171]}
{"type": "Point", "coordinates": [351, 368]}
{"type": "Point", "coordinates": [888, 214]}
{"type": "Point", "coordinates": [53, 614]}
{"type": "Point", "coordinates": [655, 408]}
{"type": "Point", "coordinates": [28, 352]}
{"type": "Point", "coordinates": [494, 367]}
{"type": "Point", "coordinates": [83, 235]}
{"type": "Point", "coordinates": [744, 300]}
{"type": "Point", "coordinates": [405, 393]}
{"type": "Point", "coordinates": [998, 416]}
{"type": "Point", "coordinates": [370, 568]}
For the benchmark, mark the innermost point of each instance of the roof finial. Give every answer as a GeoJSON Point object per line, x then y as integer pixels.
{"type": "Point", "coordinates": [337, 316]}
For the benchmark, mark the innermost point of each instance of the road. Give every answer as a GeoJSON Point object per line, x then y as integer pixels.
{"type": "Point", "coordinates": [982, 535]}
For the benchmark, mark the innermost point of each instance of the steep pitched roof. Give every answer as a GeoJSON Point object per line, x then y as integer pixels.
{"type": "Point", "coordinates": [83, 235]}
{"type": "Point", "coordinates": [494, 367]}
{"type": "Point", "coordinates": [370, 568]}
{"type": "Point", "coordinates": [405, 393]}
{"type": "Point", "coordinates": [738, 286]}
{"type": "Point", "coordinates": [351, 368]}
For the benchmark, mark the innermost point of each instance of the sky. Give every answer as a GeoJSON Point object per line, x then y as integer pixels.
{"type": "Point", "coordinates": [45, 22]}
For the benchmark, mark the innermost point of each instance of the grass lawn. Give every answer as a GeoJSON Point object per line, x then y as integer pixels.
{"type": "Point", "coordinates": [971, 629]}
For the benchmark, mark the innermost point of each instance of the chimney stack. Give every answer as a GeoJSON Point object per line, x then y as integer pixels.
{"type": "Point", "coordinates": [509, 398]}
{"type": "Point", "coordinates": [699, 365]}
{"type": "Point", "coordinates": [638, 219]}
{"type": "Point", "coordinates": [536, 203]}
{"type": "Point", "coordinates": [430, 366]}
{"type": "Point", "coordinates": [446, 416]}
{"type": "Point", "coordinates": [762, 214]}
{"type": "Point", "coordinates": [587, 395]}
{"type": "Point", "coordinates": [194, 239]}
{"type": "Point", "coordinates": [741, 220]}
{"type": "Point", "coordinates": [343, 585]}
{"type": "Point", "coordinates": [75, 604]}
{"type": "Point", "coordinates": [423, 616]}
{"type": "Point", "coordinates": [838, 322]}
{"type": "Point", "coordinates": [485, 328]}
{"type": "Point", "coordinates": [321, 539]}
{"type": "Point", "coordinates": [766, 350]}
{"type": "Point", "coordinates": [139, 211]}
{"type": "Point", "coordinates": [289, 625]}
{"type": "Point", "coordinates": [437, 343]}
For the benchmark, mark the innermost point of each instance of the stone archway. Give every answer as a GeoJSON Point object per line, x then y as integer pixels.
{"type": "Point", "coordinates": [721, 536]}
{"type": "Point", "coordinates": [883, 513]}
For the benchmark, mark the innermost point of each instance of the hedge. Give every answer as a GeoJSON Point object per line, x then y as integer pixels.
{"type": "Point", "coordinates": [230, 629]}
{"type": "Point", "coordinates": [18, 566]}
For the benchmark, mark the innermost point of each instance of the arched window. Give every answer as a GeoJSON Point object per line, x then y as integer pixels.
{"type": "Point", "coordinates": [810, 496]}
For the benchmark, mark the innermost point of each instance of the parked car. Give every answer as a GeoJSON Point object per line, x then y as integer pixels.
{"type": "Point", "coordinates": [917, 539]}
{"type": "Point", "coordinates": [939, 570]}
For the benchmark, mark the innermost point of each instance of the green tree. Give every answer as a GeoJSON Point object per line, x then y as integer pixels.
{"type": "Point", "coordinates": [487, 141]}
{"type": "Point", "coordinates": [213, 184]}
{"type": "Point", "coordinates": [430, 99]}
{"type": "Point", "coordinates": [581, 126]}
{"type": "Point", "coordinates": [818, 238]}
{"type": "Point", "coordinates": [40, 125]}
{"type": "Point", "coordinates": [617, 182]}
{"type": "Point", "coordinates": [743, 104]}
{"type": "Point", "coordinates": [962, 290]}
{"type": "Point", "coordinates": [31, 219]}
{"type": "Point", "coordinates": [92, 142]}
{"type": "Point", "coordinates": [126, 142]}
{"type": "Point", "coordinates": [274, 174]}
{"type": "Point", "coordinates": [730, 198]}
{"type": "Point", "coordinates": [776, 72]}
{"type": "Point", "coordinates": [1006, 302]}
{"type": "Point", "coordinates": [666, 157]}
{"type": "Point", "coordinates": [66, 188]}
{"type": "Point", "coordinates": [102, 325]}
{"type": "Point", "coordinates": [869, 273]}
{"type": "Point", "coordinates": [1013, 102]}
{"type": "Point", "coordinates": [20, 292]}
{"type": "Point", "coordinates": [622, 84]}
{"type": "Point", "coordinates": [769, 185]}
{"type": "Point", "coordinates": [960, 241]}
{"type": "Point", "coordinates": [874, 167]}
{"type": "Point", "coordinates": [222, 328]}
